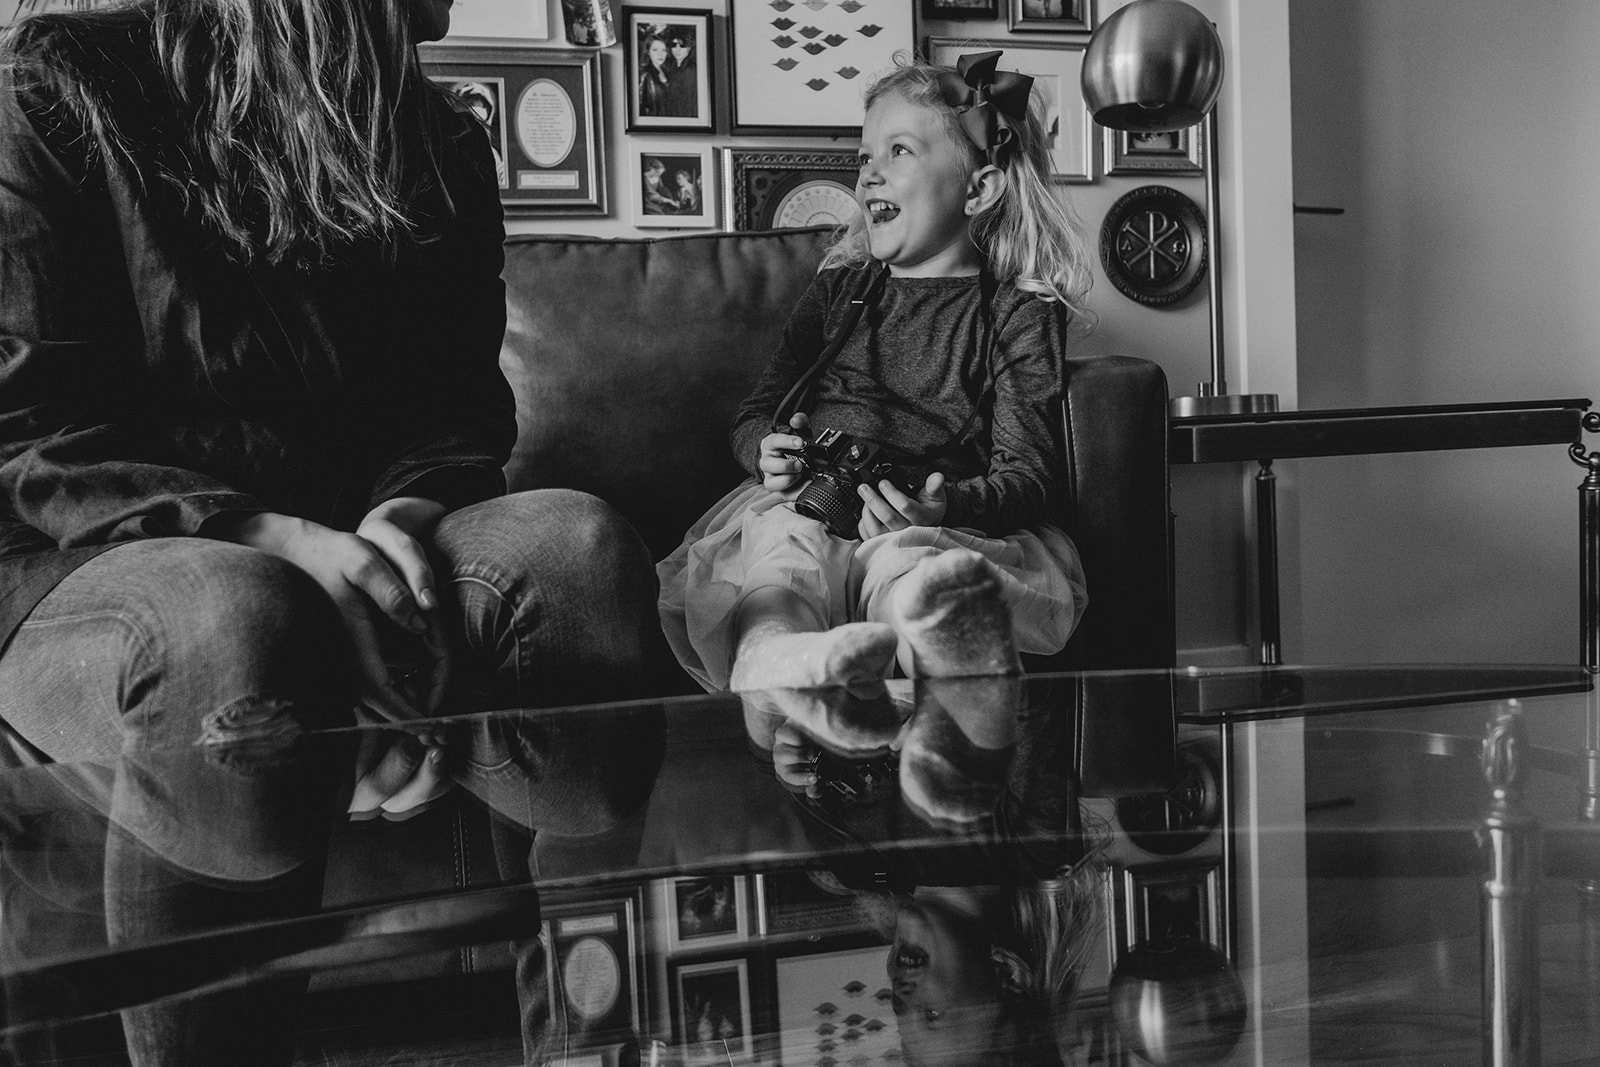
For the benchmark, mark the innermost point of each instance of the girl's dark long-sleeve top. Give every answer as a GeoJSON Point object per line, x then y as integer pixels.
{"type": "Point", "coordinates": [908, 379]}
{"type": "Point", "coordinates": [148, 384]}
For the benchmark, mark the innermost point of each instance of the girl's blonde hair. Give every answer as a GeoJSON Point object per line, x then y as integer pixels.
{"type": "Point", "coordinates": [1029, 235]}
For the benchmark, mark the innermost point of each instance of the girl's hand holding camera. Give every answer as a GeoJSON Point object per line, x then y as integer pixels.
{"type": "Point", "coordinates": [887, 508]}
{"type": "Point", "coordinates": [781, 469]}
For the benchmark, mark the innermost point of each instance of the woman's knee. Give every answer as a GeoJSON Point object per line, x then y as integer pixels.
{"type": "Point", "coordinates": [558, 537]}
{"type": "Point", "coordinates": [255, 624]}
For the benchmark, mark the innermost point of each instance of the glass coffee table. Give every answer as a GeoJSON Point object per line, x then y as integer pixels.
{"type": "Point", "coordinates": [1264, 865]}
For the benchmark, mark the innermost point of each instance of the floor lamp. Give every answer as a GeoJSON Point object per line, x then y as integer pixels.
{"type": "Point", "coordinates": [1156, 66]}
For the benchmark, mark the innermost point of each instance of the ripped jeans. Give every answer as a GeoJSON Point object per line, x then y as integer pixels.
{"type": "Point", "coordinates": [155, 645]}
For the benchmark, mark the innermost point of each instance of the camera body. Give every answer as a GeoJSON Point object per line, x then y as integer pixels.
{"type": "Point", "coordinates": [838, 463]}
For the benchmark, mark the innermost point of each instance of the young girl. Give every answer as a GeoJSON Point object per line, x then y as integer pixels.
{"type": "Point", "coordinates": [967, 272]}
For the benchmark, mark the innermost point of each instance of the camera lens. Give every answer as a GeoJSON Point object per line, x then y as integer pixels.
{"type": "Point", "coordinates": [831, 501]}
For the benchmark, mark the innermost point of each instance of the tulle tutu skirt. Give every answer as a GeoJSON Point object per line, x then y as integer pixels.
{"type": "Point", "coordinates": [754, 538]}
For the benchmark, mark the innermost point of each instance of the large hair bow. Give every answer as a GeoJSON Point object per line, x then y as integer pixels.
{"type": "Point", "coordinates": [988, 102]}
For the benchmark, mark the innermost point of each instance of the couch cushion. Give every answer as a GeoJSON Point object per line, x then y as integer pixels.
{"type": "Point", "coordinates": [628, 358]}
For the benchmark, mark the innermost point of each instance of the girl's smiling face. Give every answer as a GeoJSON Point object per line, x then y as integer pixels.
{"type": "Point", "coordinates": [913, 188]}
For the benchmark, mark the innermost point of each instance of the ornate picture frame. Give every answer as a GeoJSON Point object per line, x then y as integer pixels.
{"type": "Point", "coordinates": [1050, 16]}
{"type": "Point", "coordinates": [545, 121]}
{"type": "Point", "coordinates": [802, 70]}
{"type": "Point", "coordinates": [1177, 152]}
{"type": "Point", "coordinates": [1054, 67]}
{"type": "Point", "coordinates": [669, 70]}
{"type": "Point", "coordinates": [774, 189]}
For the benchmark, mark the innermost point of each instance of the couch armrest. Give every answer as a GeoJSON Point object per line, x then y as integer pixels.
{"type": "Point", "coordinates": [1118, 512]}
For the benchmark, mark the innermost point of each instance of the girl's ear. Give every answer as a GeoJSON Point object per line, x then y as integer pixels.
{"type": "Point", "coordinates": [984, 188]}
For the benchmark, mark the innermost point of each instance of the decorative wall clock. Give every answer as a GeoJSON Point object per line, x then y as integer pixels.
{"type": "Point", "coordinates": [1153, 245]}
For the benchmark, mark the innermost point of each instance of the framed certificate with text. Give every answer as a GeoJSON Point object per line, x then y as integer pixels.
{"type": "Point", "coordinates": [542, 109]}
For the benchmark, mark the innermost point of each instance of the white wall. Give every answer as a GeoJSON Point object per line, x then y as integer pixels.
{"type": "Point", "coordinates": [1459, 138]}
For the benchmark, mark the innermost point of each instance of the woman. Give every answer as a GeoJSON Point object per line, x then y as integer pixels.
{"type": "Point", "coordinates": [654, 78]}
{"type": "Point", "coordinates": [252, 421]}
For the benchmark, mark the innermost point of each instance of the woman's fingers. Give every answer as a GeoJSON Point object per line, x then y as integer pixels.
{"type": "Point", "coordinates": [408, 559]}
{"type": "Point", "coordinates": [395, 767]}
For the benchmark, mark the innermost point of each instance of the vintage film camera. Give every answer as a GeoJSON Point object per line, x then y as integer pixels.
{"type": "Point", "coordinates": [838, 463]}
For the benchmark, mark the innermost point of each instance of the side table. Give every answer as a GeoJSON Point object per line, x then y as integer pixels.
{"type": "Point", "coordinates": [1265, 437]}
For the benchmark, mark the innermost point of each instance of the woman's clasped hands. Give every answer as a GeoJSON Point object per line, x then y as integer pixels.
{"type": "Point", "coordinates": [380, 580]}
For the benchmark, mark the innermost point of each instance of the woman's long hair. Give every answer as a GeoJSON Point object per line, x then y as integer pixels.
{"type": "Point", "coordinates": [1029, 235]}
{"type": "Point", "coordinates": [290, 128]}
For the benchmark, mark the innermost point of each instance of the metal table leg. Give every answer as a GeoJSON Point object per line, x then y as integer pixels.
{"type": "Point", "coordinates": [1510, 920]}
{"type": "Point", "coordinates": [1267, 565]}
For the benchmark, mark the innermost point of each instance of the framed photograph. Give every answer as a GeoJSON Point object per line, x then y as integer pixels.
{"type": "Point", "coordinates": [1054, 67]}
{"type": "Point", "coordinates": [960, 9]}
{"type": "Point", "coordinates": [711, 1010]}
{"type": "Point", "coordinates": [669, 186]}
{"type": "Point", "coordinates": [1174, 152]}
{"type": "Point", "coordinates": [669, 69]}
{"type": "Point", "coordinates": [500, 20]}
{"type": "Point", "coordinates": [1050, 16]}
{"type": "Point", "coordinates": [1172, 903]}
{"type": "Point", "coordinates": [805, 70]}
{"type": "Point", "coordinates": [542, 109]}
{"type": "Point", "coordinates": [593, 962]}
{"type": "Point", "coordinates": [782, 189]}
{"type": "Point", "coordinates": [703, 912]}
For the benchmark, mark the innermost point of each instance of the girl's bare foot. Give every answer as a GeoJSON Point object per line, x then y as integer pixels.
{"type": "Point", "coordinates": [951, 620]}
{"type": "Point", "coordinates": [778, 659]}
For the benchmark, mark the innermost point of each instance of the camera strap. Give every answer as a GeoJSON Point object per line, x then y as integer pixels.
{"type": "Point", "coordinates": [800, 392]}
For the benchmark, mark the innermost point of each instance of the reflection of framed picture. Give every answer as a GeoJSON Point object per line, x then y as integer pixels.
{"type": "Point", "coordinates": [1055, 69]}
{"type": "Point", "coordinates": [592, 961]}
{"type": "Point", "coordinates": [1172, 152]}
{"type": "Point", "coordinates": [807, 903]}
{"type": "Point", "coordinates": [1050, 16]}
{"type": "Point", "coordinates": [804, 71]}
{"type": "Point", "coordinates": [704, 911]}
{"type": "Point", "coordinates": [669, 183]}
{"type": "Point", "coordinates": [668, 73]}
{"type": "Point", "coordinates": [548, 118]}
{"type": "Point", "coordinates": [711, 1010]}
{"type": "Point", "coordinates": [818, 995]}
{"type": "Point", "coordinates": [960, 9]}
{"type": "Point", "coordinates": [775, 190]}
{"type": "Point", "coordinates": [1172, 904]}
{"type": "Point", "coordinates": [498, 19]}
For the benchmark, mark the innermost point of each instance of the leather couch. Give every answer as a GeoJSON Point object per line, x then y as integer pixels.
{"type": "Point", "coordinates": [628, 358]}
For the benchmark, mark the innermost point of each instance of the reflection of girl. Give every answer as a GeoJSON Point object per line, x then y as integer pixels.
{"type": "Point", "coordinates": [653, 79]}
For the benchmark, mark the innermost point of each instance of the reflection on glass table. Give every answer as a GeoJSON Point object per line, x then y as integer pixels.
{"type": "Point", "coordinates": [1249, 866]}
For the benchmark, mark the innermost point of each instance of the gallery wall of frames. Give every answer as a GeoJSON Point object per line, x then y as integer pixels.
{"type": "Point", "coordinates": [613, 118]}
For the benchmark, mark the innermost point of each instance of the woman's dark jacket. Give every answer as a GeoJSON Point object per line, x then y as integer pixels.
{"type": "Point", "coordinates": [148, 384]}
